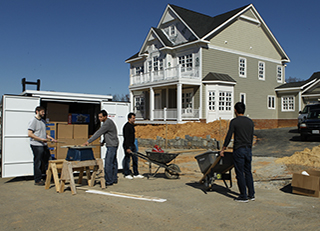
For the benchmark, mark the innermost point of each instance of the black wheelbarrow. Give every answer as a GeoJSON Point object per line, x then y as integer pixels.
{"type": "Point", "coordinates": [215, 167]}
{"type": "Point", "coordinates": [161, 159]}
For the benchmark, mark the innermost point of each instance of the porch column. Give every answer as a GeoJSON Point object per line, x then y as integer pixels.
{"type": "Point", "coordinates": [131, 102]}
{"type": "Point", "coordinates": [179, 102]}
{"type": "Point", "coordinates": [201, 104]}
{"type": "Point", "coordinates": [167, 97]}
{"type": "Point", "coordinates": [151, 104]}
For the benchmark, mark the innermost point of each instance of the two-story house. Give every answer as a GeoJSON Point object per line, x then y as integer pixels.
{"type": "Point", "coordinates": [194, 67]}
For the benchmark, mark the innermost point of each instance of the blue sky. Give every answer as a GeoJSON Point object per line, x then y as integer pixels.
{"type": "Point", "coordinates": [81, 45]}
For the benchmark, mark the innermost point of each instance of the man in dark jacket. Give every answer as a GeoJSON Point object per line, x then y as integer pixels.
{"type": "Point", "coordinates": [129, 147]}
{"type": "Point", "coordinates": [242, 127]}
{"type": "Point", "coordinates": [110, 133]}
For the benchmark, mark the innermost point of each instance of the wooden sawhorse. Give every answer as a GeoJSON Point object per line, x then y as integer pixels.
{"type": "Point", "coordinates": [54, 167]}
{"type": "Point", "coordinates": [69, 166]}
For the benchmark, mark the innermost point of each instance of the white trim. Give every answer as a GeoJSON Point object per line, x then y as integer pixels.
{"type": "Point", "coordinates": [274, 97]}
{"type": "Point", "coordinates": [288, 110]}
{"type": "Point", "coordinates": [281, 81]}
{"type": "Point", "coordinates": [214, 47]}
{"type": "Point", "coordinates": [264, 71]}
{"type": "Point", "coordinates": [246, 18]}
{"type": "Point", "coordinates": [311, 85]}
{"type": "Point", "coordinates": [244, 97]}
{"type": "Point", "coordinates": [183, 45]}
{"type": "Point", "coordinates": [178, 16]}
{"type": "Point", "coordinates": [218, 82]}
{"type": "Point", "coordinates": [245, 67]}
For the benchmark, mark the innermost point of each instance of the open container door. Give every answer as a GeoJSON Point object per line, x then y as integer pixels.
{"type": "Point", "coordinates": [17, 156]}
{"type": "Point", "coordinates": [117, 111]}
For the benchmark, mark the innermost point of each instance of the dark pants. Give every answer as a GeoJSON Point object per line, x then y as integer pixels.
{"type": "Point", "coordinates": [126, 162]}
{"type": "Point", "coordinates": [111, 165]}
{"type": "Point", "coordinates": [41, 156]}
{"type": "Point", "coordinates": [242, 158]}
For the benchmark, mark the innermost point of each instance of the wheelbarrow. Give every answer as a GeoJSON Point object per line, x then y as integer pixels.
{"type": "Point", "coordinates": [161, 159]}
{"type": "Point", "coordinates": [215, 167]}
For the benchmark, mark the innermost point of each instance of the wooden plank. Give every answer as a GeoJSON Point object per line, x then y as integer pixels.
{"type": "Point", "coordinates": [72, 184]}
{"type": "Point", "coordinates": [55, 176]}
{"type": "Point", "coordinates": [48, 179]}
{"type": "Point", "coordinates": [208, 171]}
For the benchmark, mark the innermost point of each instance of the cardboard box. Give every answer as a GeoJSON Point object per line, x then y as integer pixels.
{"type": "Point", "coordinates": [64, 131]}
{"type": "Point", "coordinates": [51, 129]}
{"type": "Point", "coordinates": [80, 131]}
{"type": "Point", "coordinates": [306, 185]}
{"type": "Point", "coordinates": [57, 112]}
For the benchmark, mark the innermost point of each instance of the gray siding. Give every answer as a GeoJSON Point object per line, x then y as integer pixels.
{"type": "Point", "coordinates": [256, 90]}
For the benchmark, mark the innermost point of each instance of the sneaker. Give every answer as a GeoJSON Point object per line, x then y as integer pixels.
{"type": "Point", "coordinates": [138, 177]}
{"type": "Point", "coordinates": [39, 183]}
{"type": "Point", "coordinates": [251, 198]}
{"type": "Point", "coordinates": [240, 199]}
{"type": "Point", "coordinates": [128, 177]}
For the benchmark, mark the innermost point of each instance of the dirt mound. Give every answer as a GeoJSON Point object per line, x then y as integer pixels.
{"type": "Point", "coordinates": [307, 157]}
{"type": "Point", "coordinates": [217, 129]}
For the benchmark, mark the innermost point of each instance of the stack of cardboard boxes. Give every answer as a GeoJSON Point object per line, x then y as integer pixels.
{"type": "Point", "coordinates": [67, 134]}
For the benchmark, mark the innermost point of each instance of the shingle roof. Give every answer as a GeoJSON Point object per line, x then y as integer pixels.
{"type": "Point", "coordinates": [315, 75]}
{"type": "Point", "coordinates": [212, 76]}
{"type": "Point", "coordinates": [203, 24]}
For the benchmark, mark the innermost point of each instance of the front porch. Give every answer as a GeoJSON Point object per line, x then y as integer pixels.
{"type": "Point", "coordinates": [167, 104]}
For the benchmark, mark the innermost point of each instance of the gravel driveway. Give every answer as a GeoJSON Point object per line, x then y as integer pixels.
{"type": "Point", "coordinates": [281, 142]}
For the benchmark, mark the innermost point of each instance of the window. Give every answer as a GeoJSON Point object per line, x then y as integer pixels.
{"type": "Point", "coordinates": [211, 101]}
{"type": "Point", "coordinates": [224, 101]}
{"type": "Point", "coordinates": [140, 103]}
{"type": "Point", "coordinates": [271, 102]}
{"type": "Point", "coordinates": [261, 70]}
{"type": "Point", "coordinates": [157, 64]}
{"type": "Point", "coordinates": [172, 30]}
{"type": "Point", "coordinates": [242, 67]}
{"type": "Point", "coordinates": [243, 98]}
{"type": "Point", "coordinates": [287, 103]}
{"type": "Point", "coordinates": [279, 74]}
{"type": "Point", "coordinates": [139, 70]}
{"type": "Point", "coordinates": [186, 62]}
{"type": "Point", "coordinates": [150, 66]}
{"type": "Point", "coordinates": [187, 100]}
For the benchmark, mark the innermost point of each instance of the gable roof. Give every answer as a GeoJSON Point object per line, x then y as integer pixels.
{"type": "Point", "coordinates": [300, 84]}
{"type": "Point", "coordinates": [202, 24]}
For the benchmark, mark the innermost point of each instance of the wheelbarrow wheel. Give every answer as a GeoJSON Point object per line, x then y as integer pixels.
{"type": "Point", "coordinates": [171, 174]}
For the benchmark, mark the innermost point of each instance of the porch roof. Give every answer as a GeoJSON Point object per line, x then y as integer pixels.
{"type": "Point", "coordinates": [300, 84]}
{"type": "Point", "coordinates": [212, 76]}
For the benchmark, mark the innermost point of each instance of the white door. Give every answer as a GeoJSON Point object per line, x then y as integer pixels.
{"type": "Point", "coordinates": [17, 156]}
{"type": "Point", "coordinates": [118, 112]}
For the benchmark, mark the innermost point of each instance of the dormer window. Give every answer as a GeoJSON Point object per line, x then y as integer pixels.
{"type": "Point", "coordinates": [172, 30]}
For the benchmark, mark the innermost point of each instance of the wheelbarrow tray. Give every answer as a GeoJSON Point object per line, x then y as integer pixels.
{"type": "Point", "coordinates": [161, 157]}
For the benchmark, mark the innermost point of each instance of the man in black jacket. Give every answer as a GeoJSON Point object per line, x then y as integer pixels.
{"type": "Point", "coordinates": [129, 147]}
{"type": "Point", "coordinates": [242, 127]}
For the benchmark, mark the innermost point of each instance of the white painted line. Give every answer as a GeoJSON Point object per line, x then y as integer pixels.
{"type": "Point", "coordinates": [130, 196]}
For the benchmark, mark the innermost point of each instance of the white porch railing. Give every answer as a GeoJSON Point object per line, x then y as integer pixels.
{"type": "Point", "coordinates": [171, 73]}
{"type": "Point", "coordinates": [172, 114]}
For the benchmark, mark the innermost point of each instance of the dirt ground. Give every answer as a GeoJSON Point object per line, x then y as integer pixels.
{"type": "Point", "coordinates": [186, 205]}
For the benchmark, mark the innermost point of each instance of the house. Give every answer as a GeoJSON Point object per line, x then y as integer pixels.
{"type": "Point", "coordinates": [194, 67]}
{"type": "Point", "coordinates": [298, 94]}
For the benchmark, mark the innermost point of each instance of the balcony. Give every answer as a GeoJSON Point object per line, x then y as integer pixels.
{"type": "Point", "coordinates": [173, 73]}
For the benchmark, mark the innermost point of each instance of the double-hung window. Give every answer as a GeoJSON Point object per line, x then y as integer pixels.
{"type": "Point", "coordinates": [243, 67]}
{"type": "Point", "coordinates": [185, 62]}
{"type": "Point", "coordinates": [271, 102]}
{"type": "Point", "coordinates": [287, 103]}
{"type": "Point", "coordinates": [261, 70]}
{"type": "Point", "coordinates": [279, 74]}
{"type": "Point", "coordinates": [225, 101]}
{"type": "Point", "coordinates": [211, 100]}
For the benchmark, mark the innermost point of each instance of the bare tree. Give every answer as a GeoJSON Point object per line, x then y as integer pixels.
{"type": "Point", "coordinates": [293, 80]}
{"type": "Point", "coordinates": [121, 97]}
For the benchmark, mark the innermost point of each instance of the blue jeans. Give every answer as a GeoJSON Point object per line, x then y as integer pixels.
{"type": "Point", "coordinates": [111, 165]}
{"type": "Point", "coordinates": [126, 162]}
{"type": "Point", "coordinates": [41, 156]}
{"type": "Point", "coordinates": [242, 158]}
